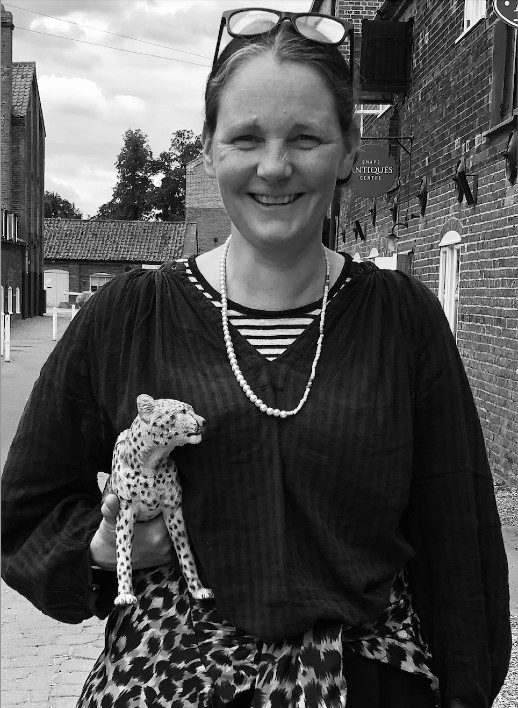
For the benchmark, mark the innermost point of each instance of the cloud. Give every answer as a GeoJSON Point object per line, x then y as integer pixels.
{"type": "Point", "coordinates": [90, 95]}
{"type": "Point", "coordinates": [75, 96]}
{"type": "Point", "coordinates": [62, 187]}
{"type": "Point", "coordinates": [71, 96]}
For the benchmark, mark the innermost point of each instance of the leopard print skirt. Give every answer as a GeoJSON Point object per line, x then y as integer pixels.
{"type": "Point", "coordinates": [171, 651]}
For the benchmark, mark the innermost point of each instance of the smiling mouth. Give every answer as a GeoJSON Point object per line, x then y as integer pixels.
{"type": "Point", "coordinates": [268, 201]}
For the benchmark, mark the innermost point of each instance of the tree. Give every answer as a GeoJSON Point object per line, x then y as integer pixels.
{"type": "Point", "coordinates": [57, 207]}
{"type": "Point", "coordinates": [168, 198]}
{"type": "Point", "coordinates": [135, 167]}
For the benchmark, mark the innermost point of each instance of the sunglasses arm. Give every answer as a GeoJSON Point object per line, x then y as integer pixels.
{"type": "Point", "coordinates": [216, 53]}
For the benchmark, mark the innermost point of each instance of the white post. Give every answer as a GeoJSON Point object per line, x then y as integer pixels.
{"type": "Point", "coordinates": [7, 335]}
{"type": "Point", "coordinates": [9, 300]}
{"type": "Point", "coordinates": [73, 311]}
{"type": "Point", "coordinates": [54, 324]}
{"type": "Point", "coordinates": [17, 301]}
{"type": "Point", "coordinates": [2, 331]}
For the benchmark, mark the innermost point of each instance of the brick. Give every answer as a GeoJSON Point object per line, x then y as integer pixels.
{"type": "Point", "coordinates": [447, 110]}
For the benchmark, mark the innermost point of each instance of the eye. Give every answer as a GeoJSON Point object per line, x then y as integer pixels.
{"type": "Point", "coordinates": [246, 141]}
{"type": "Point", "coordinates": [305, 140]}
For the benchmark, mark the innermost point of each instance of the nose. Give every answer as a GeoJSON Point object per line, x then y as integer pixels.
{"type": "Point", "coordinates": [201, 423]}
{"type": "Point", "coordinates": [274, 164]}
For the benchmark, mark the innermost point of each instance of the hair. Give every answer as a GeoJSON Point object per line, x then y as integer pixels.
{"type": "Point", "coordinates": [284, 44]}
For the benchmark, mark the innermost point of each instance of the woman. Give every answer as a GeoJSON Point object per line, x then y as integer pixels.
{"type": "Point", "coordinates": [340, 504]}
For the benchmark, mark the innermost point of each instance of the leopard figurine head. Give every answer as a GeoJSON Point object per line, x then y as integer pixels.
{"type": "Point", "coordinates": [166, 423]}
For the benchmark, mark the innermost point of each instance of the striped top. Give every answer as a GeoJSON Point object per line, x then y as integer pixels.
{"type": "Point", "coordinates": [270, 331]}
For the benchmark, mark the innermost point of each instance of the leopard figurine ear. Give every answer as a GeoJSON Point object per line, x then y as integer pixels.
{"type": "Point", "coordinates": [145, 406]}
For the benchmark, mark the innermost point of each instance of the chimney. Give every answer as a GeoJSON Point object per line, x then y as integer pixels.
{"type": "Point", "coordinates": [7, 107]}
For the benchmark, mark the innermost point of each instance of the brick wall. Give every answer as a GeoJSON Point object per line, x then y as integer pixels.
{"type": "Point", "coordinates": [6, 107]}
{"type": "Point", "coordinates": [28, 165]}
{"type": "Point", "coordinates": [203, 205]}
{"type": "Point", "coordinates": [357, 11]}
{"type": "Point", "coordinates": [80, 271]}
{"type": "Point", "coordinates": [12, 272]}
{"type": "Point", "coordinates": [447, 111]}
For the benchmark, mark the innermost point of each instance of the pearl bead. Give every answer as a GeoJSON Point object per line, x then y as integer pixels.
{"type": "Point", "coordinates": [230, 349]}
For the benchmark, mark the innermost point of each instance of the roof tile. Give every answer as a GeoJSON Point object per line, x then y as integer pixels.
{"type": "Point", "coordinates": [23, 74]}
{"type": "Point", "coordinates": [132, 241]}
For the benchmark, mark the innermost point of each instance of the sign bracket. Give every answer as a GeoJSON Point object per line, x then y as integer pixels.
{"type": "Point", "coordinates": [396, 138]}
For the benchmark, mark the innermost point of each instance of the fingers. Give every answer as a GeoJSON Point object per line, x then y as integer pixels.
{"type": "Point", "coordinates": [110, 509]}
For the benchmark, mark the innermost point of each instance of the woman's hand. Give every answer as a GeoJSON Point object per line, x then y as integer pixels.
{"type": "Point", "coordinates": [152, 545]}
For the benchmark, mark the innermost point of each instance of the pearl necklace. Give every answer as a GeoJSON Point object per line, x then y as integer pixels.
{"type": "Point", "coordinates": [230, 347]}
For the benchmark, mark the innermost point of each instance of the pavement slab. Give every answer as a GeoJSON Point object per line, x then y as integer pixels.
{"type": "Point", "coordinates": [44, 662]}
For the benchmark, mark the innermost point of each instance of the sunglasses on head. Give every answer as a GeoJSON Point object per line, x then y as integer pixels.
{"type": "Point", "coordinates": [254, 21]}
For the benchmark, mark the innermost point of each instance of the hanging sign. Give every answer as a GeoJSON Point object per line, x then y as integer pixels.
{"type": "Point", "coordinates": [507, 10]}
{"type": "Point", "coordinates": [374, 173]}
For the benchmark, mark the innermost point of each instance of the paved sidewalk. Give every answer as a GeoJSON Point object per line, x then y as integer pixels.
{"type": "Point", "coordinates": [44, 663]}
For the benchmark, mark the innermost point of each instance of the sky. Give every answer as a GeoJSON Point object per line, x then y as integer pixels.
{"type": "Point", "coordinates": [91, 95]}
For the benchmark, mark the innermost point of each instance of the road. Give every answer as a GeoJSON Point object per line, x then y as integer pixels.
{"type": "Point", "coordinates": [44, 663]}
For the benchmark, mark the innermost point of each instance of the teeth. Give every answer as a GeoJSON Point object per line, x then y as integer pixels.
{"type": "Point", "coordinates": [263, 199]}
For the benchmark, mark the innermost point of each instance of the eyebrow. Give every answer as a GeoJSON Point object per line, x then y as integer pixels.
{"type": "Point", "coordinates": [254, 124]}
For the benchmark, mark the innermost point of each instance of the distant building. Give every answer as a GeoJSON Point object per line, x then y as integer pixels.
{"type": "Point", "coordinates": [203, 206]}
{"type": "Point", "coordinates": [83, 255]}
{"type": "Point", "coordinates": [454, 210]}
{"type": "Point", "coordinates": [22, 192]}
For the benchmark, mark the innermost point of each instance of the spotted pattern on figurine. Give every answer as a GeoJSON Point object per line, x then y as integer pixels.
{"type": "Point", "coordinates": [145, 479]}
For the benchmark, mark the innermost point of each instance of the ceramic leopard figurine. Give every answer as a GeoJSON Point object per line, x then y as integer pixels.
{"type": "Point", "coordinates": [145, 479]}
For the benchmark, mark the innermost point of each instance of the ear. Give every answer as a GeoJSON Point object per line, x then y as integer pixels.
{"type": "Point", "coordinates": [352, 148]}
{"type": "Point", "coordinates": [145, 406]}
{"type": "Point", "coordinates": [208, 159]}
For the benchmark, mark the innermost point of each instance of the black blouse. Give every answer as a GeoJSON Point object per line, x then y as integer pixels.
{"type": "Point", "coordinates": [292, 520]}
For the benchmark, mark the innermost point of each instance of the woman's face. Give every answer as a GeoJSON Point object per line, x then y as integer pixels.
{"type": "Point", "coordinates": [277, 152]}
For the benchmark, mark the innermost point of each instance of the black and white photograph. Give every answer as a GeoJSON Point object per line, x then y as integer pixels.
{"type": "Point", "coordinates": [259, 354]}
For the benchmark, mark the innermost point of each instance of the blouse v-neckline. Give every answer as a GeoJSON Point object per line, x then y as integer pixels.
{"type": "Point", "coordinates": [248, 351]}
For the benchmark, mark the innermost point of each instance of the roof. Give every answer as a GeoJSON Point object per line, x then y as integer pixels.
{"type": "Point", "coordinates": [23, 74]}
{"type": "Point", "coordinates": [194, 163]}
{"type": "Point", "coordinates": [132, 241]}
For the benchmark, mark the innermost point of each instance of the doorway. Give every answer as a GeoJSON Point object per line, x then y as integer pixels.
{"type": "Point", "coordinates": [56, 285]}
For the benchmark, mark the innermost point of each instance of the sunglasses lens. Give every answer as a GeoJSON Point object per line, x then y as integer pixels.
{"type": "Point", "coordinates": [248, 23]}
{"type": "Point", "coordinates": [320, 29]}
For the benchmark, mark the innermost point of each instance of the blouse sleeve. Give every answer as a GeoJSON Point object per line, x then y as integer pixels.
{"type": "Point", "coordinates": [459, 573]}
{"type": "Point", "coordinates": [50, 498]}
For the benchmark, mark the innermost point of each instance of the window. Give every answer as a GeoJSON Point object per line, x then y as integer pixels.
{"type": "Point", "coordinates": [504, 100]}
{"type": "Point", "coordinates": [474, 10]}
{"type": "Point", "coordinates": [449, 277]}
{"type": "Point", "coordinates": [97, 280]}
{"type": "Point", "coordinates": [9, 226]}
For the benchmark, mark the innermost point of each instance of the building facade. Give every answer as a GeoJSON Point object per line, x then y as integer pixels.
{"type": "Point", "coordinates": [22, 191]}
{"type": "Point", "coordinates": [83, 255]}
{"type": "Point", "coordinates": [203, 206]}
{"type": "Point", "coordinates": [451, 217]}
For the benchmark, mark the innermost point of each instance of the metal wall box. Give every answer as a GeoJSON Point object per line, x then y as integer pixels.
{"type": "Point", "coordinates": [386, 52]}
